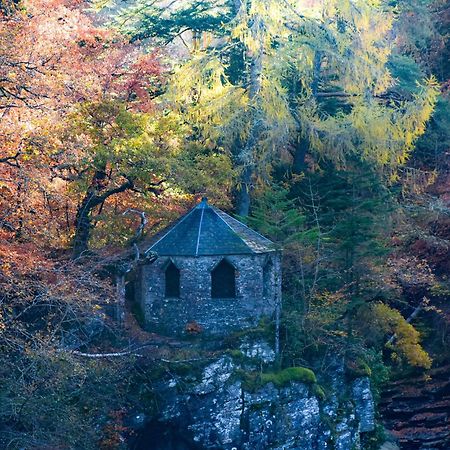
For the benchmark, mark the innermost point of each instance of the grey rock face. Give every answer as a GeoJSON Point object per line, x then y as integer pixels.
{"type": "Point", "coordinates": [217, 412]}
{"type": "Point", "coordinates": [281, 418]}
{"type": "Point", "coordinates": [258, 349]}
{"type": "Point", "coordinates": [215, 375]}
{"type": "Point", "coordinates": [364, 404]}
{"type": "Point", "coordinates": [215, 421]}
{"type": "Point", "coordinates": [347, 436]}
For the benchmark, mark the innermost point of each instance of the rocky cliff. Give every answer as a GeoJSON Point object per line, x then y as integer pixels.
{"type": "Point", "coordinates": [231, 404]}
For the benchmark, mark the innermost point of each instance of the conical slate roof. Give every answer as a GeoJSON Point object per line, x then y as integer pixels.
{"type": "Point", "coordinates": [207, 231]}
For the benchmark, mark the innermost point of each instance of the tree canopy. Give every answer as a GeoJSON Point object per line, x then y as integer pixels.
{"type": "Point", "coordinates": [324, 125]}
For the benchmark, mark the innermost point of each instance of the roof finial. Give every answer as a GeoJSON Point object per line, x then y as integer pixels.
{"type": "Point", "coordinates": [203, 204]}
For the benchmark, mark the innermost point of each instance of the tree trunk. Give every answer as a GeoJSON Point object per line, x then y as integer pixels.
{"type": "Point", "coordinates": [95, 196]}
{"type": "Point", "coordinates": [120, 291]}
{"type": "Point", "coordinates": [302, 144]}
{"type": "Point", "coordinates": [247, 153]}
{"type": "Point", "coordinates": [83, 218]}
{"type": "Point", "coordinates": [414, 314]}
{"type": "Point", "coordinates": [301, 149]}
{"type": "Point", "coordinates": [243, 204]}
{"type": "Point", "coordinates": [316, 72]}
{"type": "Point", "coordinates": [82, 227]}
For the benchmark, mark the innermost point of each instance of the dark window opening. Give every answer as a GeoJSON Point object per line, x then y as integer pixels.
{"type": "Point", "coordinates": [223, 280]}
{"type": "Point", "coordinates": [172, 281]}
{"type": "Point", "coordinates": [267, 278]}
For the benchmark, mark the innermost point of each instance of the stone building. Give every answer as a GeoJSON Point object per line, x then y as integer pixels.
{"type": "Point", "coordinates": [213, 274]}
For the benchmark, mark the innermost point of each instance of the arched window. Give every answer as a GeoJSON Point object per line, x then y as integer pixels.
{"type": "Point", "coordinates": [223, 280]}
{"type": "Point", "coordinates": [172, 274]}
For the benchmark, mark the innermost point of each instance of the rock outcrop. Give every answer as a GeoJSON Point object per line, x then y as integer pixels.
{"type": "Point", "coordinates": [219, 410]}
{"type": "Point", "coordinates": [417, 411]}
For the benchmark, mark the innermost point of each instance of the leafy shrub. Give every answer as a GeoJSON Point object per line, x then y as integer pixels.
{"type": "Point", "coordinates": [407, 342]}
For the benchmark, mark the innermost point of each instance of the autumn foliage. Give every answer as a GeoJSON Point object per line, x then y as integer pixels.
{"type": "Point", "coordinates": [326, 128]}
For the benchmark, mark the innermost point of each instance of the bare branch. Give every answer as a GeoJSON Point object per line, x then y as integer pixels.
{"type": "Point", "coordinates": [11, 160]}
{"type": "Point", "coordinates": [104, 355]}
{"type": "Point", "coordinates": [139, 231]}
{"type": "Point", "coordinates": [413, 315]}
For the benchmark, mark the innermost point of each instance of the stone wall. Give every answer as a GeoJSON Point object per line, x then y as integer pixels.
{"type": "Point", "coordinates": [195, 305]}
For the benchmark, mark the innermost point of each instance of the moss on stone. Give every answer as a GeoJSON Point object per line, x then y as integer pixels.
{"type": "Point", "coordinates": [357, 368]}
{"type": "Point", "coordinates": [285, 376]}
{"type": "Point", "coordinates": [264, 330]}
{"type": "Point", "coordinates": [249, 379]}
{"type": "Point", "coordinates": [318, 391]}
{"type": "Point", "coordinates": [237, 355]}
{"type": "Point", "coordinates": [252, 381]}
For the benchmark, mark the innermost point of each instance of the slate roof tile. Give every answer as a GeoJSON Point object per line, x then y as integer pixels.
{"type": "Point", "coordinates": [206, 230]}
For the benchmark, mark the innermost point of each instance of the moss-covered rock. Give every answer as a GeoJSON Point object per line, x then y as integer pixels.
{"type": "Point", "coordinates": [286, 376]}
{"type": "Point", "coordinates": [254, 380]}
{"type": "Point", "coordinates": [318, 391]}
{"type": "Point", "coordinates": [357, 368]}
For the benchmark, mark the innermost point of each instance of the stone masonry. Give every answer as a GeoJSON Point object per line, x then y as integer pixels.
{"type": "Point", "coordinates": [196, 244]}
